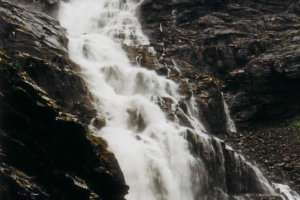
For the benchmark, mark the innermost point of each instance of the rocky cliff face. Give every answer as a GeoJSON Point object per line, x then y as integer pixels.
{"type": "Point", "coordinates": [250, 48]}
{"type": "Point", "coordinates": [249, 51]}
{"type": "Point", "coordinates": [46, 151]}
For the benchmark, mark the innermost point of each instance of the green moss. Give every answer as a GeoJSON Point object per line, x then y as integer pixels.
{"type": "Point", "coordinates": [97, 141]}
{"type": "Point", "coordinates": [16, 65]}
{"type": "Point", "coordinates": [64, 111]}
{"type": "Point", "coordinates": [13, 64]}
{"type": "Point", "coordinates": [100, 148]}
{"type": "Point", "coordinates": [3, 54]}
{"type": "Point", "coordinates": [295, 124]}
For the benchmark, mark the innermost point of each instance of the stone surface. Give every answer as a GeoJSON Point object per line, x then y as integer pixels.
{"type": "Point", "coordinates": [205, 89]}
{"type": "Point", "coordinates": [249, 48]}
{"type": "Point", "coordinates": [37, 44]}
{"type": "Point", "coordinates": [46, 151]}
{"type": "Point", "coordinates": [275, 150]}
{"type": "Point", "coordinates": [99, 122]}
{"type": "Point", "coordinates": [226, 170]}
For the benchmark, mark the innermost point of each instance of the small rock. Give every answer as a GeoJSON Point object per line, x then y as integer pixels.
{"type": "Point", "coordinates": [99, 122]}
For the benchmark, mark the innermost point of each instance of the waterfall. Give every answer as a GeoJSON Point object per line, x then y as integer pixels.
{"type": "Point", "coordinates": [285, 192]}
{"type": "Point", "coordinates": [229, 122]}
{"type": "Point", "coordinates": [161, 158]}
{"type": "Point", "coordinates": [152, 152]}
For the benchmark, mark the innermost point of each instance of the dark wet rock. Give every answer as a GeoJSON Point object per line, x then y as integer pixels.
{"type": "Point", "coordinates": [136, 120]}
{"type": "Point", "coordinates": [212, 165]}
{"type": "Point", "coordinates": [99, 122]}
{"type": "Point", "coordinates": [46, 151]}
{"type": "Point", "coordinates": [164, 103]}
{"type": "Point", "coordinates": [240, 177]}
{"type": "Point", "coordinates": [183, 119]}
{"type": "Point", "coordinates": [183, 107]}
{"type": "Point", "coordinates": [275, 150]}
{"type": "Point", "coordinates": [205, 89]}
{"type": "Point", "coordinates": [250, 49]}
{"type": "Point", "coordinates": [44, 2]}
{"type": "Point", "coordinates": [37, 44]}
{"type": "Point", "coordinates": [46, 6]}
{"type": "Point", "coordinates": [254, 197]}
{"type": "Point", "coordinates": [227, 170]}
{"type": "Point", "coordinates": [246, 49]}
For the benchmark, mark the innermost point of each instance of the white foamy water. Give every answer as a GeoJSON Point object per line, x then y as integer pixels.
{"type": "Point", "coordinates": [229, 122]}
{"type": "Point", "coordinates": [285, 192]}
{"type": "Point", "coordinates": [155, 160]}
{"type": "Point", "coordinates": [153, 152]}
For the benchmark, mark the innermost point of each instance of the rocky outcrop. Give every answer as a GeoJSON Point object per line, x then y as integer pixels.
{"type": "Point", "coordinates": [276, 151]}
{"type": "Point", "coordinates": [249, 47]}
{"type": "Point", "coordinates": [46, 151]}
{"type": "Point", "coordinates": [246, 49]}
{"type": "Point", "coordinates": [203, 88]}
{"type": "Point", "coordinates": [46, 6]}
{"type": "Point", "coordinates": [249, 50]}
{"type": "Point", "coordinates": [225, 171]}
{"type": "Point", "coordinates": [38, 45]}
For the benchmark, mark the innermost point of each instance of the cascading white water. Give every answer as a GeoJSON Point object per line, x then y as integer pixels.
{"type": "Point", "coordinates": [229, 122]}
{"type": "Point", "coordinates": [153, 151]}
{"type": "Point", "coordinates": [285, 192]}
{"type": "Point", "coordinates": [155, 161]}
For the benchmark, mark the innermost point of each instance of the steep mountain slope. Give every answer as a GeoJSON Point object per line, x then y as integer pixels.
{"type": "Point", "coordinates": [46, 152]}
{"type": "Point", "coordinates": [249, 50]}
{"type": "Point", "coordinates": [250, 47]}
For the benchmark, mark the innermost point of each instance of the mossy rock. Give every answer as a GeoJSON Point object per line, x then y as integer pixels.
{"type": "Point", "coordinates": [295, 124]}
{"type": "Point", "coordinates": [107, 157]}
{"type": "Point", "coordinates": [7, 60]}
{"type": "Point", "coordinates": [97, 141]}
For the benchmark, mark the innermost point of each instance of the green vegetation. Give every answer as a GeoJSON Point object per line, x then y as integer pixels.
{"type": "Point", "coordinates": [64, 111]}
{"type": "Point", "coordinates": [294, 124]}
{"type": "Point", "coordinates": [13, 64]}
{"type": "Point", "coordinates": [96, 141]}
{"type": "Point", "coordinates": [16, 66]}
{"type": "Point", "coordinates": [3, 54]}
{"type": "Point", "coordinates": [100, 148]}
{"type": "Point", "coordinates": [292, 128]}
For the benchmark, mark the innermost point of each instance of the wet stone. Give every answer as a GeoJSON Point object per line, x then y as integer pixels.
{"type": "Point", "coordinates": [99, 123]}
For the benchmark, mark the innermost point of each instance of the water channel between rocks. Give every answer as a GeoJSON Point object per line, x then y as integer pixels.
{"type": "Point", "coordinates": [161, 160]}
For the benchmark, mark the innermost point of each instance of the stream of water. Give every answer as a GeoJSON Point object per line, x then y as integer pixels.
{"type": "Point", "coordinates": [229, 122]}
{"type": "Point", "coordinates": [154, 152]}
